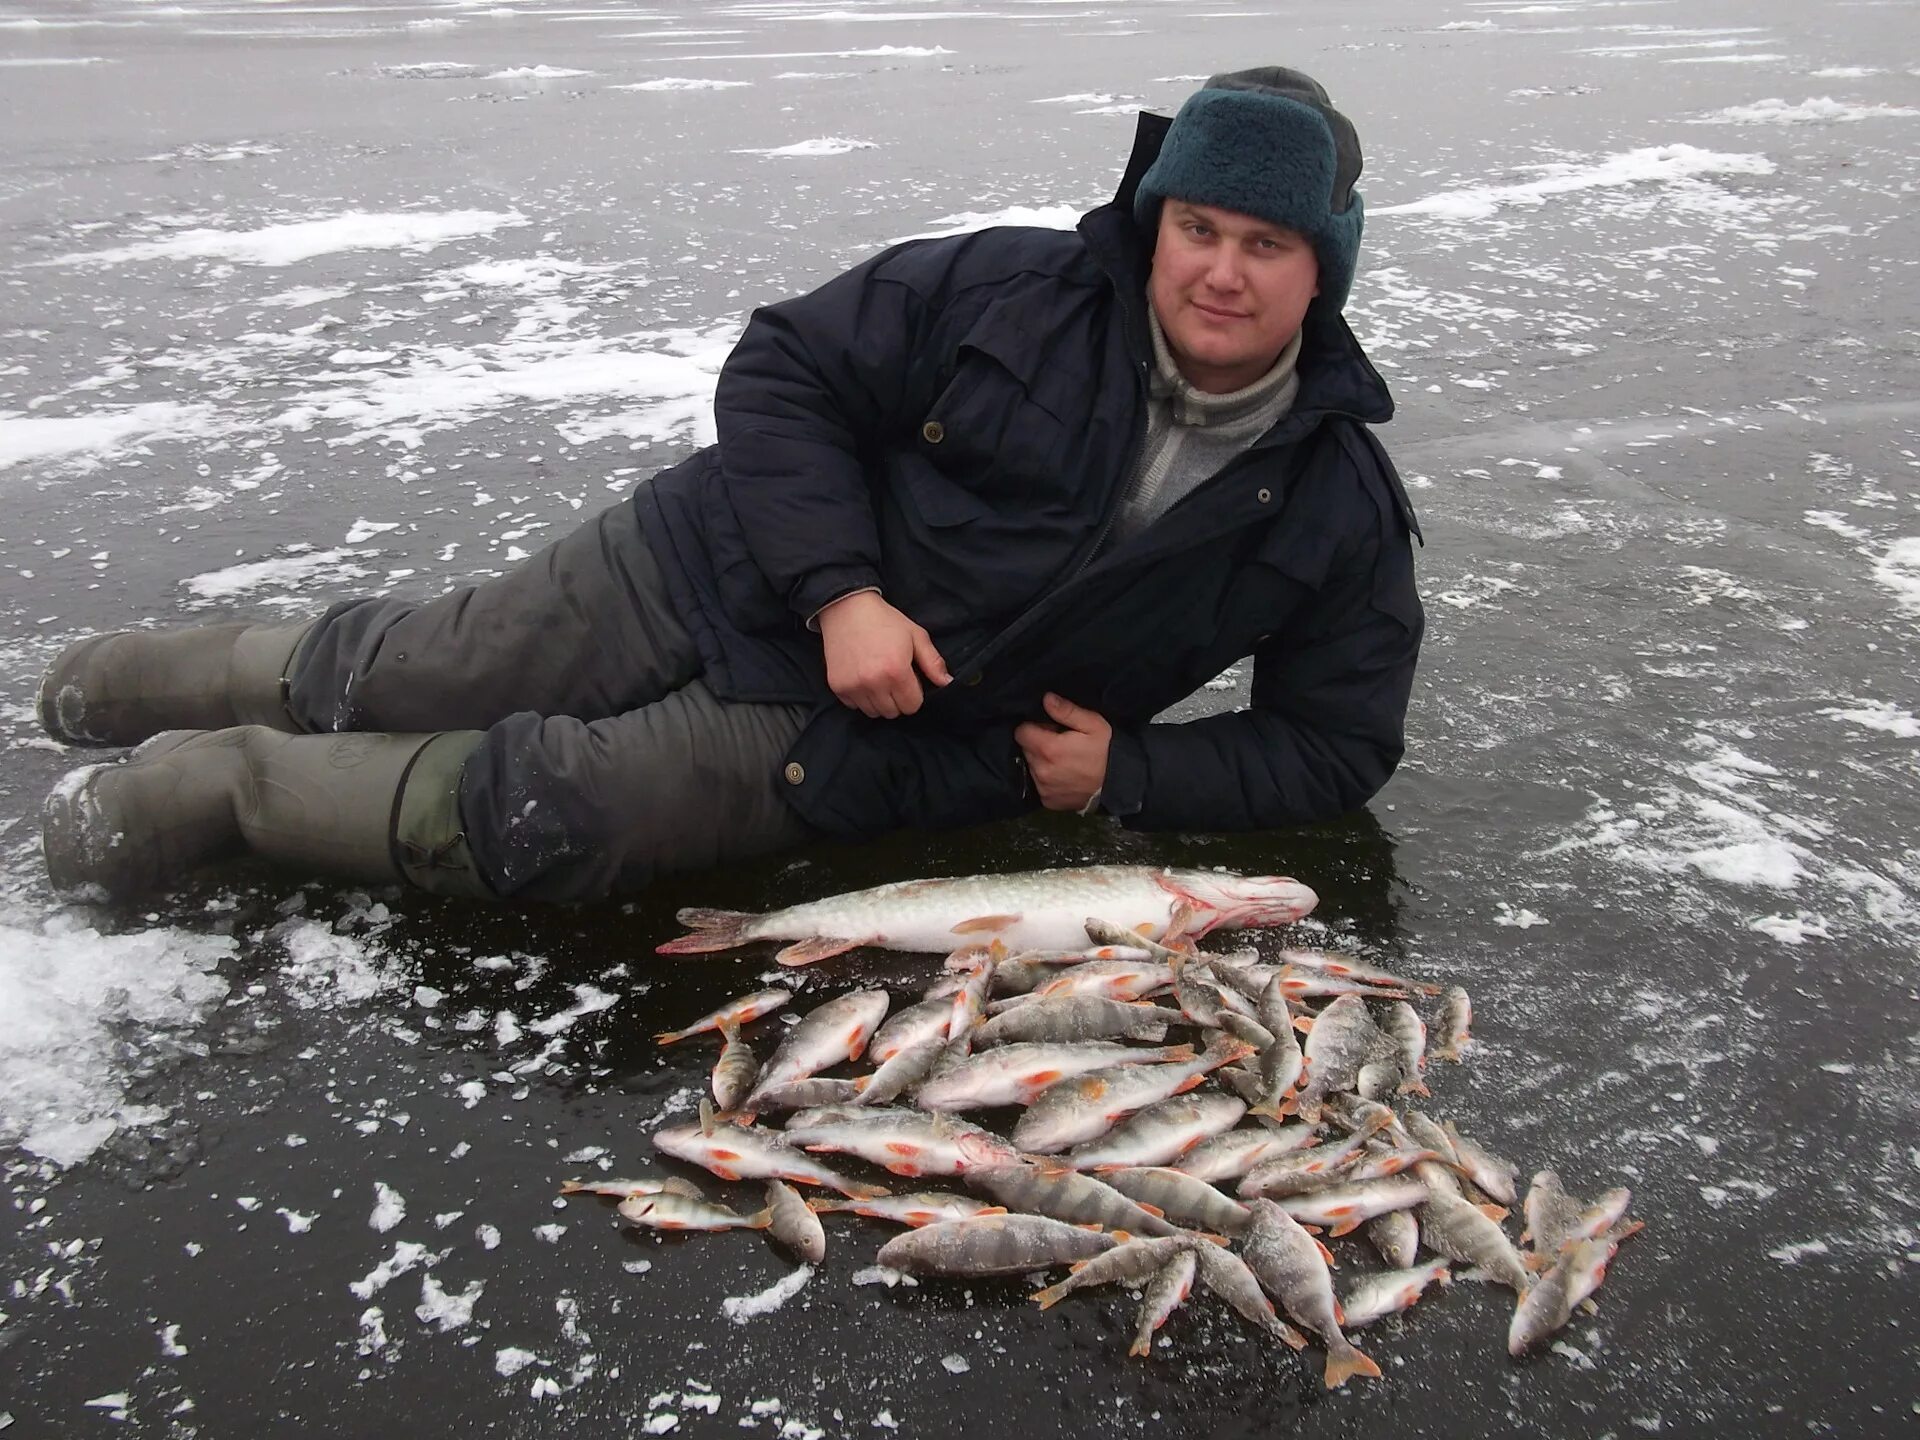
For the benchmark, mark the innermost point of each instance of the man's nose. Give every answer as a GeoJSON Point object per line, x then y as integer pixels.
{"type": "Point", "coordinates": [1225, 272]}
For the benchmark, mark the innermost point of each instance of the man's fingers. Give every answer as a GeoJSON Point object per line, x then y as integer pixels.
{"type": "Point", "coordinates": [1035, 738]}
{"type": "Point", "coordinates": [928, 659]}
{"type": "Point", "coordinates": [1074, 717]}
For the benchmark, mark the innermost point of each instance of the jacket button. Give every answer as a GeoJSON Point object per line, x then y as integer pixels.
{"type": "Point", "coordinates": [1263, 495]}
{"type": "Point", "coordinates": [933, 432]}
{"type": "Point", "coordinates": [795, 772]}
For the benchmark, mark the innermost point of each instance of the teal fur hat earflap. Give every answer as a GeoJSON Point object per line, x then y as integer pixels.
{"type": "Point", "coordinates": [1267, 143]}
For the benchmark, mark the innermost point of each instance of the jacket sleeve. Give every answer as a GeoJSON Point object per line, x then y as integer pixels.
{"type": "Point", "coordinates": [812, 391]}
{"type": "Point", "coordinates": [1327, 725]}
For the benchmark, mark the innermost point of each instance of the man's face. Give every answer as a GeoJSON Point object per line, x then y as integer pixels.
{"type": "Point", "coordinates": [1230, 292]}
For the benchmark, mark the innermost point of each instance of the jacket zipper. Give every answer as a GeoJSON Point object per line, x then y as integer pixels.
{"type": "Point", "coordinates": [1036, 611]}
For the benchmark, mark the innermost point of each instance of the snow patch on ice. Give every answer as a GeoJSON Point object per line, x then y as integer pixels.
{"type": "Point", "coordinates": [445, 1311]}
{"type": "Point", "coordinates": [82, 1008]}
{"type": "Point", "coordinates": [26, 438]}
{"type": "Point", "coordinates": [1824, 110]}
{"type": "Point", "coordinates": [389, 1207]}
{"type": "Point", "coordinates": [1898, 570]}
{"type": "Point", "coordinates": [538, 72]}
{"type": "Point", "coordinates": [1880, 715]}
{"type": "Point", "coordinates": [300, 567]}
{"type": "Point", "coordinates": [429, 70]}
{"type": "Point", "coordinates": [325, 968]}
{"type": "Point", "coordinates": [407, 1255]}
{"type": "Point", "coordinates": [587, 1000]}
{"type": "Point", "coordinates": [682, 82]}
{"type": "Point", "coordinates": [742, 1308]}
{"type": "Point", "coordinates": [1653, 165]}
{"type": "Point", "coordinates": [1044, 217]}
{"type": "Point", "coordinates": [1795, 929]}
{"type": "Point", "coordinates": [293, 241]}
{"type": "Point", "coordinates": [510, 1360]}
{"type": "Point", "coordinates": [829, 145]}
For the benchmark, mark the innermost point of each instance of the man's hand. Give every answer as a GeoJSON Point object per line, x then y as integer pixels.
{"type": "Point", "coordinates": [871, 651]}
{"type": "Point", "coordinates": [1068, 759]}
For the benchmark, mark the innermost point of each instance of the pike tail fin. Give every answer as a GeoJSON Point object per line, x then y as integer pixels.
{"type": "Point", "coordinates": [712, 930]}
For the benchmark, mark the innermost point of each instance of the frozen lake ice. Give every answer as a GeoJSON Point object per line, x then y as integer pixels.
{"type": "Point", "coordinates": [309, 300]}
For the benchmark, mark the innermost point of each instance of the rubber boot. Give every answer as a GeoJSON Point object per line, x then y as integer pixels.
{"type": "Point", "coordinates": [132, 685]}
{"type": "Point", "coordinates": [324, 804]}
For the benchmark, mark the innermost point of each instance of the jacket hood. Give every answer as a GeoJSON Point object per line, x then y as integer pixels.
{"type": "Point", "coordinates": [1335, 373]}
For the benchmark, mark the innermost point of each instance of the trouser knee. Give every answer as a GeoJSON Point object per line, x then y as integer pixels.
{"type": "Point", "coordinates": [563, 810]}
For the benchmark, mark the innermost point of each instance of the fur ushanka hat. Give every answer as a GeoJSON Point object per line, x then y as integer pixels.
{"type": "Point", "coordinates": [1267, 143]}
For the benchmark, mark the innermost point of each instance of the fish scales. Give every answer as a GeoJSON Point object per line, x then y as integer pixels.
{"type": "Point", "coordinates": [1060, 1019]}
{"type": "Point", "coordinates": [1067, 1195]}
{"type": "Point", "coordinates": [917, 1208]}
{"type": "Point", "coordinates": [1291, 1268]}
{"type": "Point", "coordinates": [1396, 1236]}
{"type": "Point", "coordinates": [1085, 1107]}
{"type": "Point", "coordinates": [992, 1245]}
{"type": "Point", "coordinates": [905, 1070]}
{"type": "Point", "coordinates": [793, 1223]}
{"type": "Point", "coordinates": [1450, 1226]}
{"type": "Point", "coordinates": [1109, 979]}
{"type": "Point", "coordinates": [908, 1027]}
{"type": "Point", "coordinates": [1127, 1263]}
{"type": "Point", "coordinates": [736, 1070]}
{"type": "Point", "coordinates": [1548, 1306]}
{"type": "Point", "coordinates": [1166, 1293]}
{"type": "Point", "coordinates": [1016, 1074]}
{"type": "Point", "coordinates": [668, 1211]}
{"type": "Point", "coordinates": [741, 1011]}
{"type": "Point", "coordinates": [1454, 1026]}
{"type": "Point", "coordinates": [834, 1032]}
{"type": "Point", "coordinates": [905, 1143]}
{"type": "Point", "coordinates": [1487, 1170]}
{"type": "Point", "coordinates": [1161, 1132]}
{"type": "Point", "coordinates": [1343, 1208]}
{"type": "Point", "coordinates": [801, 1094]}
{"type": "Point", "coordinates": [1183, 1199]}
{"type": "Point", "coordinates": [1034, 910]}
{"type": "Point", "coordinates": [621, 1189]}
{"type": "Point", "coordinates": [1378, 1296]}
{"type": "Point", "coordinates": [737, 1152]}
{"type": "Point", "coordinates": [1338, 1045]}
{"type": "Point", "coordinates": [1232, 1155]}
{"type": "Point", "coordinates": [1228, 1276]}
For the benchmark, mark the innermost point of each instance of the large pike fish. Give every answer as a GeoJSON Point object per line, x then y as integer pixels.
{"type": "Point", "coordinates": [1032, 910]}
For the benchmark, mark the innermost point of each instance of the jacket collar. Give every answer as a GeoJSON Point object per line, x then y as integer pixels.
{"type": "Point", "coordinates": [1335, 375]}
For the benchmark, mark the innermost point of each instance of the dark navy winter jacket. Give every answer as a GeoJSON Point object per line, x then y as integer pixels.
{"type": "Point", "coordinates": [953, 421]}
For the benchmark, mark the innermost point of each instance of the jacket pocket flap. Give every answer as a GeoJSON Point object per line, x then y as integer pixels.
{"type": "Point", "coordinates": [936, 499]}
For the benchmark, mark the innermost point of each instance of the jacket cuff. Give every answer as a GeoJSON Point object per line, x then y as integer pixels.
{"type": "Point", "coordinates": [1124, 791]}
{"type": "Point", "coordinates": [820, 588]}
{"type": "Point", "coordinates": [813, 620]}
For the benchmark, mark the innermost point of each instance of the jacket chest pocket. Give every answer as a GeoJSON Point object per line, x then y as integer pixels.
{"type": "Point", "coordinates": [989, 432]}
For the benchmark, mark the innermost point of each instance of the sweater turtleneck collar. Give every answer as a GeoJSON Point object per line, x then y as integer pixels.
{"type": "Point", "coordinates": [1268, 398]}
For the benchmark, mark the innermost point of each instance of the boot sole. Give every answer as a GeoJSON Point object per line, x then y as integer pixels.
{"type": "Point", "coordinates": [46, 699]}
